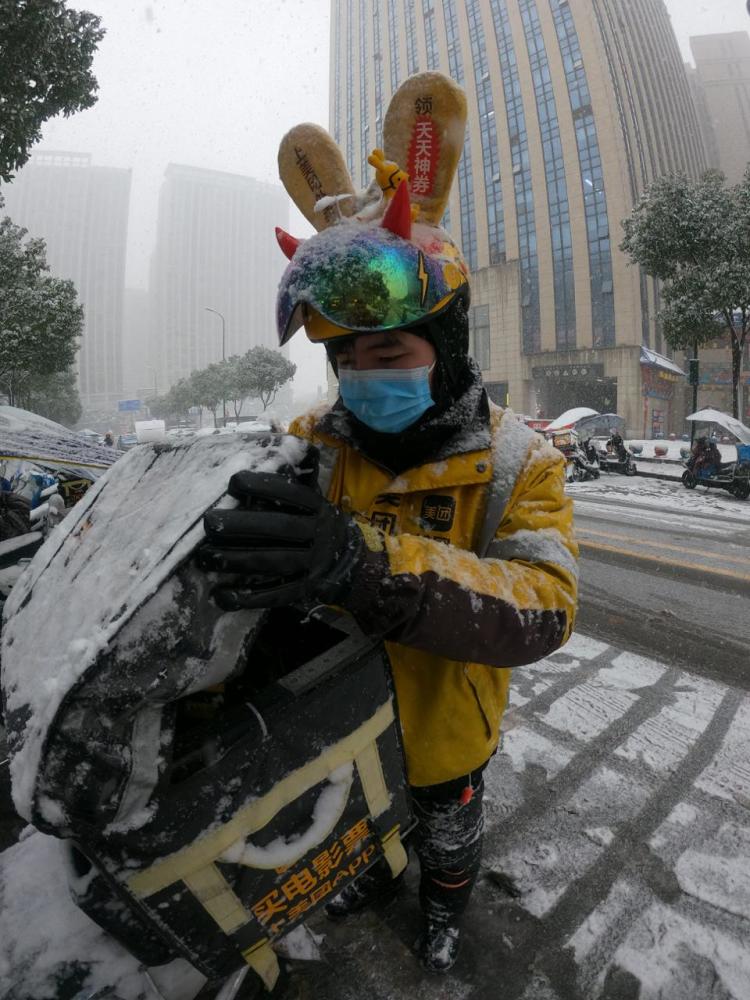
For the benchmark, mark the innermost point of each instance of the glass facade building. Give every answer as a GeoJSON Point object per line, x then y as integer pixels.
{"type": "Point", "coordinates": [574, 106]}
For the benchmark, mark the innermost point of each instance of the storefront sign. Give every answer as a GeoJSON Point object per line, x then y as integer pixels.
{"type": "Point", "coordinates": [568, 371]}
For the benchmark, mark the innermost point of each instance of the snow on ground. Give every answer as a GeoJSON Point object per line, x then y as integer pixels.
{"type": "Point", "coordinates": [657, 494]}
{"type": "Point", "coordinates": [41, 928]}
{"type": "Point", "coordinates": [662, 771]}
{"type": "Point", "coordinates": [728, 451]}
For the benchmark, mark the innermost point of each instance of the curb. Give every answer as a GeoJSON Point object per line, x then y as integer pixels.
{"type": "Point", "coordinates": [654, 458]}
{"type": "Point", "coordinates": [659, 475]}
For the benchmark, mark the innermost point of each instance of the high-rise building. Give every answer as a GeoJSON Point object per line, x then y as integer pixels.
{"type": "Point", "coordinates": [81, 211]}
{"type": "Point", "coordinates": [137, 370]}
{"type": "Point", "coordinates": [722, 82]}
{"type": "Point", "coordinates": [574, 106]}
{"type": "Point", "coordinates": [212, 257]}
{"type": "Point", "coordinates": [698, 93]}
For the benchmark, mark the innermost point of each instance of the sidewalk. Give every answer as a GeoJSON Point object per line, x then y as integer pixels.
{"type": "Point", "coordinates": [619, 807]}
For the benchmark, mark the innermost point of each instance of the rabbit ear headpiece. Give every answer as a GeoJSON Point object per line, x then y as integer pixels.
{"type": "Point", "coordinates": [379, 259]}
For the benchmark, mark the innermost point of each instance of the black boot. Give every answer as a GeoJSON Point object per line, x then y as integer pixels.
{"type": "Point", "coordinates": [369, 888]}
{"type": "Point", "coordinates": [438, 946]}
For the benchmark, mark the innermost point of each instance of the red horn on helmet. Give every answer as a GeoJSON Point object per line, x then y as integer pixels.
{"type": "Point", "coordinates": [287, 242]}
{"type": "Point", "coordinates": [397, 216]}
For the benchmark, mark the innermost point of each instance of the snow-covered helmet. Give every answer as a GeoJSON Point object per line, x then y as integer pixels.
{"type": "Point", "coordinates": [380, 259]}
{"type": "Point", "coordinates": [364, 277]}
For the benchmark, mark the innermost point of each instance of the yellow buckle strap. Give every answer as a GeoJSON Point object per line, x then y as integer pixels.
{"type": "Point", "coordinates": [215, 895]}
{"type": "Point", "coordinates": [394, 851]}
{"type": "Point", "coordinates": [262, 959]}
{"type": "Point", "coordinates": [371, 775]}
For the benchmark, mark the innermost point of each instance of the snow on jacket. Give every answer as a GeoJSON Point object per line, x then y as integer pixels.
{"type": "Point", "coordinates": [470, 569]}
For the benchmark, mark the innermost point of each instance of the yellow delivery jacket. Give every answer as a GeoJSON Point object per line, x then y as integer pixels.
{"type": "Point", "coordinates": [470, 569]}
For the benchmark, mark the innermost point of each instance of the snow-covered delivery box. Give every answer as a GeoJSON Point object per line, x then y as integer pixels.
{"type": "Point", "coordinates": [222, 774]}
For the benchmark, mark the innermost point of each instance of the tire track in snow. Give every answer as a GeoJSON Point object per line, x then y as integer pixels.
{"type": "Point", "coordinates": [629, 854]}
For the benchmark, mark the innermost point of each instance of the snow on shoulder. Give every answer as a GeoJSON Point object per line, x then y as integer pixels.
{"type": "Point", "coordinates": [111, 558]}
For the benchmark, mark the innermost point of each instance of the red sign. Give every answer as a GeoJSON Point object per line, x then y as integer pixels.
{"type": "Point", "coordinates": [423, 156]}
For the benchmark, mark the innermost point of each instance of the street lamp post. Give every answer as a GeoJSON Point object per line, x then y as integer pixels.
{"type": "Point", "coordinates": [151, 368]}
{"type": "Point", "coordinates": [223, 350]}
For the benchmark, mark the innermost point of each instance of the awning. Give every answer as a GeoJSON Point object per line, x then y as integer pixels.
{"type": "Point", "coordinates": [654, 360]}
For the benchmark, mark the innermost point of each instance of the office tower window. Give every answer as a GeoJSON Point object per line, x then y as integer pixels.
{"type": "Point", "coordinates": [378, 59]}
{"type": "Point", "coordinates": [479, 336]}
{"type": "Point", "coordinates": [524, 195]}
{"type": "Point", "coordinates": [364, 75]}
{"type": "Point", "coordinates": [493, 190]}
{"type": "Point", "coordinates": [592, 178]}
{"type": "Point", "coordinates": [497, 392]}
{"type": "Point", "coordinates": [337, 73]}
{"type": "Point", "coordinates": [395, 49]}
{"type": "Point", "coordinates": [412, 60]}
{"type": "Point", "coordinates": [557, 190]}
{"type": "Point", "coordinates": [350, 86]}
{"type": "Point", "coordinates": [465, 179]}
{"type": "Point", "coordinates": [430, 34]}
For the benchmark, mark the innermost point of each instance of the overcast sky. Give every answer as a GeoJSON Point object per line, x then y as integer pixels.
{"type": "Point", "coordinates": [217, 85]}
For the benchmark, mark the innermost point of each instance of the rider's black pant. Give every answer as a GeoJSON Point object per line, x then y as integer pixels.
{"type": "Point", "coordinates": [448, 842]}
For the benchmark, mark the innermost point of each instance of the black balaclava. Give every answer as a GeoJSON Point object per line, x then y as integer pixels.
{"type": "Point", "coordinates": [456, 377]}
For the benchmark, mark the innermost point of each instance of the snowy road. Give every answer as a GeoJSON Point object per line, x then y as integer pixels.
{"type": "Point", "coordinates": [619, 808]}
{"type": "Point", "coordinates": [651, 499]}
{"type": "Point", "coordinates": [666, 571]}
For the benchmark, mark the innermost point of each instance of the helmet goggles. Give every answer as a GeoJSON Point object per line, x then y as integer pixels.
{"type": "Point", "coordinates": [364, 279]}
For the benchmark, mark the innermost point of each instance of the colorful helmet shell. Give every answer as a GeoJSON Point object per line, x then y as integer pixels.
{"type": "Point", "coordinates": [363, 277]}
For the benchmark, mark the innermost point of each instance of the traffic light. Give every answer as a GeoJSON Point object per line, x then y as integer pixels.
{"type": "Point", "coordinates": [693, 366]}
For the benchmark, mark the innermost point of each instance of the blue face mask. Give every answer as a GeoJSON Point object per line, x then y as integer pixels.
{"type": "Point", "coordinates": [387, 400]}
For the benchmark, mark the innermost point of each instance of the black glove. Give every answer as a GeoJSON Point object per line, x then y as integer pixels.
{"type": "Point", "coordinates": [285, 541]}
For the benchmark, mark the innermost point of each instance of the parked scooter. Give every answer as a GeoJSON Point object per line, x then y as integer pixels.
{"type": "Point", "coordinates": [585, 462]}
{"type": "Point", "coordinates": [579, 465]}
{"type": "Point", "coordinates": [614, 457]}
{"type": "Point", "coordinates": [23, 529]}
{"type": "Point", "coordinates": [705, 469]}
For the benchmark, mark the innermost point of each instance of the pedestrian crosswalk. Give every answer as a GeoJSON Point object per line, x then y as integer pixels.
{"type": "Point", "coordinates": [619, 808]}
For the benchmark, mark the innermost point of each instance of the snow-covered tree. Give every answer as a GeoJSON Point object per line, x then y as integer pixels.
{"type": "Point", "coordinates": [267, 371]}
{"type": "Point", "coordinates": [208, 387]}
{"type": "Point", "coordinates": [257, 374]}
{"type": "Point", "coordinates": [55, 397]}
{"type": "Point", "coordinates": [40, 316]}
{"type": "Point", "coordinates": [175, 403]}
{"type": "Point", "coordinates": [239, 382]}
{"type": "Point", "coordinates": [46, 51]}
{"type": "Point", "coordinates": [694, 236]}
